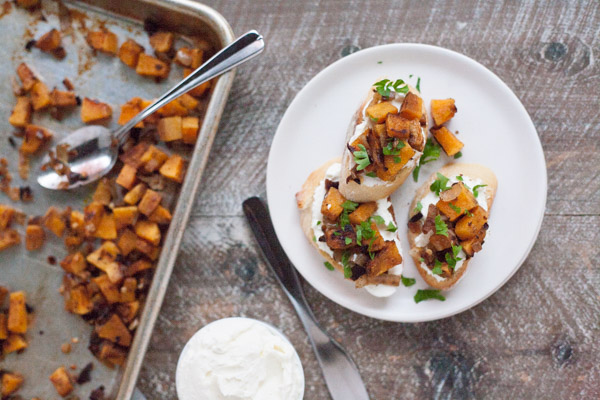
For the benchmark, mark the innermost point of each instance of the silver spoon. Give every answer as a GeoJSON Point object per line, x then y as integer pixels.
{"type": "Point", "coordinates": [96, 147]}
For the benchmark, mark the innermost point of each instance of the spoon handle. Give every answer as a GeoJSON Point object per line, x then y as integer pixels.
{"type": "Point", "coordinates": [241, 50]}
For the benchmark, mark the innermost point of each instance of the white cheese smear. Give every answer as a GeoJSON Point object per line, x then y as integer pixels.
{"type": "Point", "coordinates": [239, 359]}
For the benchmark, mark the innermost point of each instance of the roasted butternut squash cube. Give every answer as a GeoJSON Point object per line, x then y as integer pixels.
{"type": "Point", "coordinates": [379, 112]}
{"type": "Point", "coordinates": [151, 66]}
{"type": "Point", "coordinates": [6, 217]}
{"type": "Point", "coordinates": [393, 164]}
{"type": "Point", "coordinates": [3, 326]}
{"type": "Point", "coordinates": [133, 155]}
{"type": "Point", "coordinates": [11, 382]}
{"type": "Point", "coordinates": [200, 90]}
{"type": "Point", "coordinates": [21, 114]}
{"type": "Point", "coordinates": [125, 216]}
{"type": "Point", "coordinates": [469, 225]}
{"type": "Point", "coordinates": [40, 96]}
{"type": "Point", "coordinates": [473, 245]}
{"type": "Point", "coordinates": [127, 241]}
{"type": "Point", "coordinates": [94, 110]}
{"type": "Point", "coordinates": [61, 381]}
{"type": "Point", "coordinates": [173, 168]}
{"type": "Point", "coordinates": [54, 222]}
{"type": "Point", "coordinates": [28, 4]}
{"type": "Point", "coordinates": [161, 216]}
{"type": "Point", "coordinates": [127, 292]}
{"type": "Point", "coordinates": [104, 258]}
{"type": "Point", "coordinates": [109, 290]}
{"type": "Point", "coordinates": [34, 237]}
{"type": "Point", "coordinates": [103, 192]}
{"type": "Point", "coordinates": [149, 231]}
{"type": "Point", "coordinates": [135, 194]}
{"type": "Point", "coordinates": [111, 354]}
{"type": "Point", "coordinates": [92, 216]}
{"type": "Point", "coordinates": [464, 201]}
{"type": "Point", "coordinates": [129, 53]}
{"type": "Point", "coordinates": [104, 41]}
{"type": "Point", "coordinates": [78, 301]}
{"type": "Point", "coordinates": [27, 77]}
{"type": "Point", "coordinates": [128, 311]}
{"type": "Point", "coordinates": [62, 98]}
{"type": "Point", "coordinates": [149, 202]}
{"type": "Point", "coordinates": [74, 263]}
{"type": "Point", "coordinates": [9, 238]}
{"type": "Point", "coordinates": [13, 343]}
{"type": "Point", "coordinates": [442, 111]}
{"type": "Point", "coordinates": [76, 221]}
{"type": "Point", "coordinates": [197, 58]}
{"type": "Point", "coordinates": [191, 58]}
{"type": "Point", "coordinates": [162, 42]}
{"type": "Point", "coordinates": [188, 101]}
{"type": "Point", "coordinates": [127, 177]}
{"type": "Point", "coordinates": [397, 126]}
{"type": "Point", "coordinates": [153, 159]}
{"type": "Point", "coordinates": [139, 266]}
{"type": "Point", "coordinates": [49, 41]}
{"type": "Point", "coordinates": [153, 118]}
{"type": "Point", "coordinates": [128, 111]}
{"type": "Point", "coordinates": [362, 212]}
{"type": "Point", "coordinates": [173, 108]}
{"type": "Point", "coordinates": [34, 139]}
{"type": "Point", "coordinates": [169, 129]}
{"type": "Point", "coordinates": [147, 248]}
{"type": "Point", "coordinates": [17, 313]}
{"type": "Point", "coordinates": [114, 330]}
{"type": "Point", "coordinates": [331, 208]}
{"type": "Point", "coordinates": [412, 107]}
{"type": "Point", "coordinates": [447, 140]}
{"type": "Point", "coordinates": [107, 229]}
{"type": "Point", "coordinates": [384, 260]}
{"type": "Point", "coordinates": [3, 295]}
{"type": "Point", "coordinates": [189, 129]}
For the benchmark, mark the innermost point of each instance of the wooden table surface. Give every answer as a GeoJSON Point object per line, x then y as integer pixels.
{"type": "Point", "coordinates": [538, 337]}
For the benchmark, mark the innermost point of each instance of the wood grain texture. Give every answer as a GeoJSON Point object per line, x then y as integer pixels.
{"type": "Point", "coordinates": [539, 336]}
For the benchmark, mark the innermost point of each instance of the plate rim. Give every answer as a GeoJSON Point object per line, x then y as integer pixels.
{"type": "Point", "coordinates": [540, 208]}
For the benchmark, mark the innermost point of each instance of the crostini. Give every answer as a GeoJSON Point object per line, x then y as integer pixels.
{"type": "Point", "coordinates": [384, 141]}
{"type": "Point", "coordinates": [447, 221]}
{"type": "Point", "coordinates": [358, 239]}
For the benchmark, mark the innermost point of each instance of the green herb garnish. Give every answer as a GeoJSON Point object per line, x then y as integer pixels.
{"type": "Point", "coordinates": [419, 207]}
{"type": "Point", "coordinates": [451, 259]}
{"type": "Point", "coordinates": [378, 219]}
{"type": "Point", "coordinates": [371, 174]}
{"type": "Point", "coordinates": [318, 222]}
{"type": "Point", "coordinates": [314, 238]}
{"type": "Point", "coordinates": [348, 240]}
{"type": "Point", "coordinates": [391, 150]}
{"type": "Point", "coordinates": [437, 268]}
{"type": "Point", "coordinates": [428, 294]}
{"type": "Point", "coordinates": [408, 281]}
{"type": "Point", "coordinates": [459, 178]}
{"type": "Point", "coordinates": [456, 209]}
{"type": "Point", "coordinates": [385, 86]}
{"type": "Point", "coordinates": [364, 231]}
{"type": "Point", "coordinates": [458, 155]}
{"type": "Point", "coordinates": [379, 62]}
{"type": "Point", "coordinates": [475, 193]}
{"type": "Point", "coordinates": [440, 226]}
{"type": "Point", "coordinates": [440, 184]}
{"type": "Point", "coordinates": [431, 152]}
{"type": "Point", "coordinates": [329, 266]}
{"type": "Point", "coordinates": [348, 207]}
{"type": "Point", "coordinates": [373, 119]}
{"type": "Point", "coordinates": [391, 227]}
{"type": "Point", "coordinates": [361, 158]}
{"type": "Point", "coordinates": [418, 86]}
{"type": "Point", "coordinates": [347, 269]}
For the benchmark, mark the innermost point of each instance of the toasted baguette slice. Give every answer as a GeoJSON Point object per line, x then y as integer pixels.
{"type": "Point", "coordinates": [305, 200]}
{"type": "Point", "coordinates": [379, 188]}
{"type": "Point", "coordinates": [472, 171]}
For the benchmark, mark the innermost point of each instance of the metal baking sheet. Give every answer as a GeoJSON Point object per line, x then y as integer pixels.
{"type": "Point", "coordinates": [107, 79]}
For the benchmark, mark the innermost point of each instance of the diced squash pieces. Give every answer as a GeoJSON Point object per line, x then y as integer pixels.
{"type": "Point", "coordinates": [331, 208]}
{"type": "Point", "coordinates": [114, 330]}
{"type": "Point", "coordinates": [34, 237]}
{"type": "Point", "coordinates": [54, 222]}
{"type": "Point", "coordinates": [128, 311]}
{"type": "Point", "coordinates": [173, 168]}
{"type": "Point", "coordinates": [127, 242]}
{"type": "Point", "coordinates": [61, 381]}
{"type": "Point", "coordinates": [107, 229]}
{"type": "Point", "coordinates": [6, 217]}
{"type": "Point", "coordinates": [189, 129]}
{"type": "Point", "coordinates": [28, 4]}
{"type": "Point", "coordinates": [111, 354]}
{"type": "Point", "coordinates": [362, 212]}
{"type": "Point", "coordinates": [94, 110]}
{"type": "Point", "coordinates": [161, 216]}
{"type": "Point", "coordinates": [447, 140]}
{"type": "Point", "coordinates": [188, 101]}
{"type": "Point", "coordinates": [153, 159]}
{"type": "Point", "coordinates": [125, 216]}
{"type": "Point", "coordinates": [191, 58]}
{"type": "Point", "coordinates": [93, 213]}
{"type": "Point", "coordinates": [9, 238]}
{"type": "Point", "coordinates": [169, 129]}
{"type": "Point", "coordinates": [127, 177]}
{"type": "Point", "coordinates": [473, 245]}
{"type": "Point", "coordinates": [378, 112]}
{"type": "Point", "coordinates": [412, 107]}
{"type": "Point", "coordinates": [40, 96]}
{"type": "Point", "coordinates": [397, 126]}
{"type": "Point", "coordinates": [128, 111]}
{"type": "Point", "coordinates": [17, 313]}
{"type": "Point", "coordinates": [149, 202]}
{"type": "Point", "coordinates": [198, 91]}
{"type": "Point", "coordinates": [134, 195]}
{"type": "Point", "coordinates": [146, 248]}
{"type": "Point", "coordinates": [104, 258]}
{"type": "Point", "coordinates": [462, 204]}
{"type": "Point", "coordinates": [3, 327]}
{"type": "Point", "coordinates": [384, 260]}
{"type": "Point", "coordinates": [103, 193]}
{"type": "Point", "coordinates": [11, 382]}
{"type": "Point", "coordinates": [442, 111]}
{"type": "Point", "coordinates": [103, 40]}
{"type": "Point", "coordinates": [127, 292]}
{"type": "Point", "coordinates": [139, 266]}
{"type": "Point", "coordinates": [469, 225]}
{"type": "Point", "coordinates": [34, 139]}
{"type": "Point", "coordinates": [27, 77]}
{"type": "Point", "coordinates": [162, 42]}
{"type": "Point", "coordinates": [173, 108]}
{"type": "Point", "coordinates": [151, 66]}
{"type": "Point", "coordinates": [74, 263]}
{"type": "Point", "coordinates": [50, 43]}
{"type": "Point", "coordinates": [133, 155]}
{"type": "Point", "coordinates": [149, 231]}
{"type": "Point", "coordinates": [21, 114]}
{"type": "Point", "coordinates": [62, 98]}
{"type": "Point", "coordinates": [129, 52]}
{"type": "Point", "coordinates": [109, 290]}
{"type": "Point", "coordinates": [13, 343]}
{"type": "Point", "coordinates": [78, 301]}
{"type": "Point", "coordinates": [393, 164]}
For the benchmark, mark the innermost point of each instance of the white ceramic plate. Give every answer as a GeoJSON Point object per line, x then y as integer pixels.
{"type": "Point", "coordinates": [496, 130]}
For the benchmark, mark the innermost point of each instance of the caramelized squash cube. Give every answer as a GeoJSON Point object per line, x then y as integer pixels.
{"type": "Point", "coordinates": [11, 382]}
{"type": "Point", "coordinates": [191, 58]}
{"type": "Point", "coordinates": [397, 126]}
{"type": "Point", "coordinates": [379, 112]}
{"type": "Point", "coordinates": [473, 245]}
{"type": "Point", "coordinates": [21, 114]}
{"type": "Point", "coordinates": [362, 212]}
{"type": "Point", "coordinates": [464, 201]}
{"type": "Point", "coordinates": [104, 41]}
{"type": "Point", "coordinates": [442, 111]}
{"type": "Point", "coordinates": [49, 41]}
{"type": "Point", "coordinates": [13, 343]}
{"type": "Point", "coordinates": [125, 216]}
{"type": "Point", "coordinates": [447, 140]}
{"type": "Point", "coordinates": [153, 159]}
{"type": "Point", "coordinates": [384, 260]}
{"type": "Point", "coordinates": [200, 90]}
{"type": "Point", "coordinates": [103, 192]}
{"type": "Point", "coordinates": [28, 4]}
{"type": "Point", "coordinates": [169, 129]}
{"type": "Point", "coordinates": [109, 290]}
{"type": "Point", "coordinates": [393, 164]}
{"type": "Point", "coordinates": [133, 155]}
{"type": "Point", "coordinates": [34, 138]}
{"type": "Point", "coordinates": [6, 217]}
{"type": "Point", "coordinates": [129, 53]}
{"type": "Point", "coordinates": [197, 56]}
{"type": "Point", "coordinates": [27, 77]}
{"type": "Point", "coordinates": [149, 202]}
{"type": "Point", "coordinates": [134, 195]}
{"type": "Point", "coordinates": [127, 292]}
{"type": "Point", "coordinates": [128, 311]}
{"type": "Point", "coordinates": [3, 327]}
{"type": "Point", "coordinates": [127, 242]}
{"type": "Point", "coordinates": [151, 66]}
{"type": "Point", "coordinates": [114, 330]}
{"type": "Point", "coordinates": [94, 110]}
{"type": "Point", "coordinates": [3, 295]}
{"type": "Point", "coordinates": [9, 238]}
{"type": "Point", "coordinates": [53, 220]}
{"type": "Point", "coordinates": [128, 111]}
{"type": "Point", "coordinates": [412, 107]}
{"type": "Point", "coordinates": [147, 248]}
{"type": "Point", "coordinates": [173, 168]}
{"type": "Point", "coordinates": [104, 258]}
{"type": "Point", "coordinates": [62, 98]}
{"type": "Point", "coordinates": [139, 266]}
{"type": "Point", "coordinates": [189, 129]}
{"type": "Point", "coordinates": [173, 108]}
{"type": "Point", "coordinates": [469, 225]}
{"type": "Point", "coordinates": [127, 177]}
{"type": "Point", "coordinates": [79, 301]}
{"type": "Point", "coordinates": [93, 213]}
{"type": "Point", "coordinates": [17, 313]}
{"type": "Point", "coordinates": [161, 216]}
{"type": "Point", "coordinates": [34, 237]}
{"type": "Point", "coordinates": [149, 231]}
{"type": "Point", "coordinates": [331, 208]}
{"type": "Point", "coordinates": [61, 381]}
{"type": "Point", "coordinates": [107, 229]}
{"type": "Point", "coordinates": [111, 354]}
{"type": "Point", "coordinates": [74, 263]}
{"type": "Point", "coordinates": [162, 42]}
{"type": "Point", "coordinates": [40, 96]}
